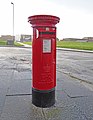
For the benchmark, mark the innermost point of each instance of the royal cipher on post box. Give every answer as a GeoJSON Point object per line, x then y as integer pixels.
{"type": "Point", "coordinates": [43, 59]}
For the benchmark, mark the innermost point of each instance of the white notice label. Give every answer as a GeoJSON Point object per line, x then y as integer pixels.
{"type": "Point", "coordinates": [47, 45]}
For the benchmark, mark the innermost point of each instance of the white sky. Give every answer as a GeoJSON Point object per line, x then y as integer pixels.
{"type": "Point", "coordinates": [76, 16]}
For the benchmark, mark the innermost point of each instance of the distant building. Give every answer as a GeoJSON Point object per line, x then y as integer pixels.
{"type": "Point", "coordinates": [89, 39]}
{"type": "Point", "coordinates": [7, 37]}
{"type": "Point", "coordinates": [71, 39]}
{"type": "Point", "coordinates": [23, 38]}
{"type": "Point", "coordinates": [75, 39]}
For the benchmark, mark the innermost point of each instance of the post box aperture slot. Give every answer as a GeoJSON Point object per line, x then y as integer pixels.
{"type": "Point", "coordinates": [48, 33]}
{"type": "Point", "coordinates": [46, 45]}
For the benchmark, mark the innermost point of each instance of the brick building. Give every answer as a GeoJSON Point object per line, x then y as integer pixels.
{"type": "Point", "coordinates": [7, 37]}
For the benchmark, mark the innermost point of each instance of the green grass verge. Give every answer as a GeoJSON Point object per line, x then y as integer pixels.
{"type": "Point", "coordinates": [75, 45]}
{"type": "Point", "coordinates": [28, 43]}
{"type": "Point", "coordinates": [3, 42]}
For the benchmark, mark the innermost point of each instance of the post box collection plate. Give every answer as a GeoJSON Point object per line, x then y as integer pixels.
{"type": "Point", "coordinates": [46, 45]}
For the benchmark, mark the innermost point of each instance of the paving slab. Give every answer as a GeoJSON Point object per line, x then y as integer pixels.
{"type": "Point", "coordinates": [23, 75]}
{"type": "Point", "coordinates": [21, 87]}
{"type": "Point", "coordinates": [21, 108]}
{"type": "Point", "coordinates": [76, 89]}
{"type": "Point", "coordinates": [6, 72]}
{"type": "Point", "coordinates": [5, 81]}
{"type": "Point", "coordinates": [3, 92]}
{"type": "Point", "coordinates": [61, 95]}
{"type": "Point", "coordinates": [85, 105]}
{"type": "Point", "coordinates": [71, 86]}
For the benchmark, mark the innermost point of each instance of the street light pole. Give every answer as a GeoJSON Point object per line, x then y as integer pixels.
{"type": "Point", "coordinates": [13, 20]}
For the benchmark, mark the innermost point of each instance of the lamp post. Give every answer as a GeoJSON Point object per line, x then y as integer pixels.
{"type": "Point", "coordinates": [13, 21]}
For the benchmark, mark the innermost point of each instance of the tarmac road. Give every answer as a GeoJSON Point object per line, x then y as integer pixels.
{"type": "Point", "coordinates": [78, 65]}
{"type": "Point", "coordinates": [74, 91]}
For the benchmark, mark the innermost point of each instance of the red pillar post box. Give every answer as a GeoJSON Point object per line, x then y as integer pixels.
{"type": "Point", "coordinates": [43, 59]}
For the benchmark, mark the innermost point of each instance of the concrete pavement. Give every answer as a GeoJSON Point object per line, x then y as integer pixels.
{"type": "Point", "coordinates": [74, 96]}
{"type": "Point", "coordinates": [25, 45]}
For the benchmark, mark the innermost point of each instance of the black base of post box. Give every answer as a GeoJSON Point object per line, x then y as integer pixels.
{"type": "Point", "coordinates": [43, 98]}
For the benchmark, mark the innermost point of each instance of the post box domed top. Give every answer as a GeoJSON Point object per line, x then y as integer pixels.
{"type": "Point", "coordinates": [43, 19]}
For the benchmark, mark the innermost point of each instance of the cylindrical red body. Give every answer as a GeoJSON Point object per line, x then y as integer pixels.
{"type": "Point", "coordinates": [43, 52]}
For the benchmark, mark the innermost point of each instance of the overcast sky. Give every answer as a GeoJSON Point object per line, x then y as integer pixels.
{"type": "Point", "coordinates": [76, 16]}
